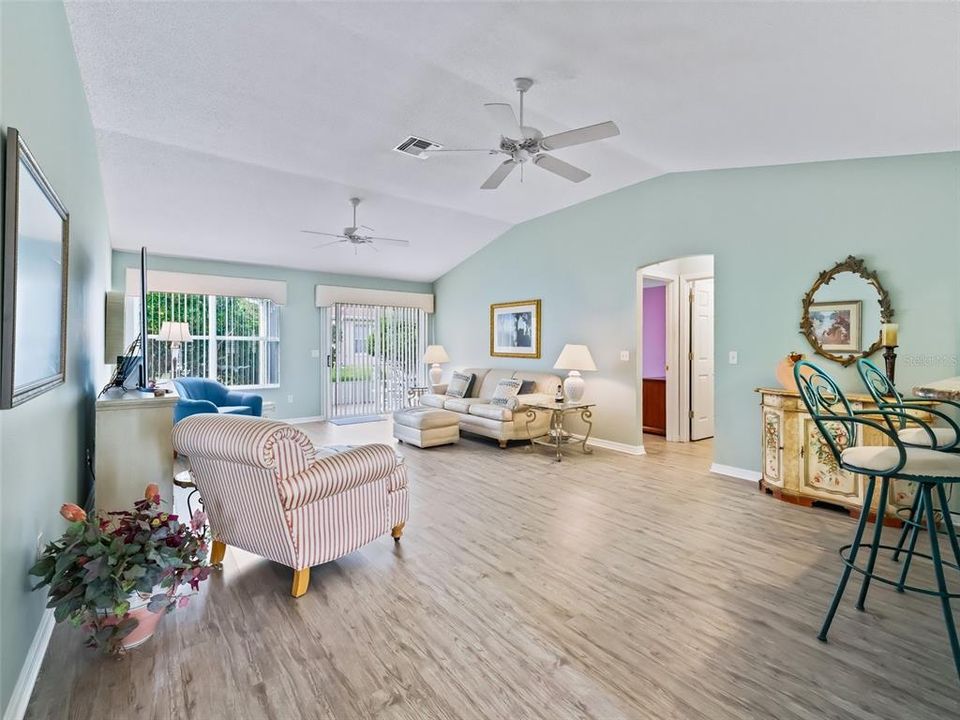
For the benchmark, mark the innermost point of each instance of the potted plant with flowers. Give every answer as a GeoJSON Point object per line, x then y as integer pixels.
{"type": "Point", "coordinates": [118, 574]}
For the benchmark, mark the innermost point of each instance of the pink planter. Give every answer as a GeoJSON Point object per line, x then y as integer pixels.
{"type": "Point", "coordinates": [147, 621]}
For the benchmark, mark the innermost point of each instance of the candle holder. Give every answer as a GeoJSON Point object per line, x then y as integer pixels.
{"type": "Point", "coordinates": [890, 359]}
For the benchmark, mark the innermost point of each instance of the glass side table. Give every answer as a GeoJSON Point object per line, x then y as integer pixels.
{"type": "Point", "coordinates": [556, 437]}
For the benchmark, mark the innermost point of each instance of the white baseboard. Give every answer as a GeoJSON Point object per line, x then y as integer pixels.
{"type": "Point", "coordinates": [17, 707]}
{"type": "Point", "coordinates": [301, 420]}
{"type": "Point", "coordinates": [615, 446]}
{"type": "Point", "coordinates": [735, 472]}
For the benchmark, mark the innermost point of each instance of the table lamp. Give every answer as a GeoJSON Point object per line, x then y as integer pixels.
{"type": "Point", "coordinates": [175, 333]}
{"type": "Point", "coordinates": [435, 355]}
{"type": "Point", "coordinates": [574, 358]}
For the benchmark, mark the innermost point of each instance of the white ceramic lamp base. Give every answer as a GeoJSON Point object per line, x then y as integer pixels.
{"type": "Point", "coordinates": [573, 386]}
{"type": "Point", "coordinates": [436, 373]}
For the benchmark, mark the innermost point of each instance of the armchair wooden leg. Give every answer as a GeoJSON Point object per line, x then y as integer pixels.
{"type": "Point", "coordinates": [397, 531]}
{"type": "Point", "coordinates": [503, 444]}
{"type": "Point", "coordinates": [217, 552]}
{"type": "Point", "coordinates": [301, 580]}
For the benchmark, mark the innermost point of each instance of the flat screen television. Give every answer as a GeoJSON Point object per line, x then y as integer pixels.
{"type": "Point", "coordinates": [144, 369]}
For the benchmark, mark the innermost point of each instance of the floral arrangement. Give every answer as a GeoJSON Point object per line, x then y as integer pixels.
{"type": "Point", "coordinates": [101, 563]}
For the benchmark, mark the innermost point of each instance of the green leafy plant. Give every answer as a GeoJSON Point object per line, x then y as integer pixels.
{"type": "Point", "coordinates": [100, 563]}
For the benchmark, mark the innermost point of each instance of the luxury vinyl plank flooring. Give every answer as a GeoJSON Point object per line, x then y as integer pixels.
{"type": "Point", "coordinates": [607, 586]}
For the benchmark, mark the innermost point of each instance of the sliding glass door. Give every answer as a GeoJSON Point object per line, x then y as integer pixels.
{"type": "Point", "coordinates": [373, 355]}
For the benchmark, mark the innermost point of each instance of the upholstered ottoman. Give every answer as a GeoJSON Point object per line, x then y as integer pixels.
{"type": "Point", "coordinates": [426, 426]}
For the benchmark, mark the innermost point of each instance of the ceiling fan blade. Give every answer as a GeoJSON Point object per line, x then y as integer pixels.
{"type": "Point", "coordinates": [499, 175]}
{"type": "Point", "coordinates": [504, 119]}
{"type": "Point", "coordinates": [580, 135]}
{"type": "Point", "coordinates": [389, 241]}
{"type": "Point", "coordinates": [561, 168]}
{"type": "Point", "coordinates": [332, 242]}
{"type": "Point", "coordinates": [325, 234]}
{"type": "Point", "coordinates": [367, 227]}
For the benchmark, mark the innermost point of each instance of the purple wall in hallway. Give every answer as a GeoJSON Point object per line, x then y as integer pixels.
{"type": "Point", "coordinates": [654, 331]}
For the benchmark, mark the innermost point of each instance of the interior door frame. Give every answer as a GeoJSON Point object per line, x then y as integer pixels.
{"type": "Point", "coordinates": [672, 350]}
{"type": "Point", "coordinates": [686, 318]}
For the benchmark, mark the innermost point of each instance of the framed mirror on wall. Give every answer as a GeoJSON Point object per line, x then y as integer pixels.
{"type": "Point", "coordinates": [844, 310]}
{"type": "Point", "coordinates": [35, 250]}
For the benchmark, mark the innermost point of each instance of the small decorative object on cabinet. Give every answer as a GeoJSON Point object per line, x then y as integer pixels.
{"type": "Point", "coordinates": [797, 465]}
{"type": "Point", "coordinates": [785, 370]}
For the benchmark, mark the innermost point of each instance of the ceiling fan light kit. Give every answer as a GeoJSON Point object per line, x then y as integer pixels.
{"type": "Point", "coordinates": [522, 143]}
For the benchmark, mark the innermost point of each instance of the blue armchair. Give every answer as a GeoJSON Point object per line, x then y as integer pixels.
{"type": "Point", "coordinates": [199, 395]}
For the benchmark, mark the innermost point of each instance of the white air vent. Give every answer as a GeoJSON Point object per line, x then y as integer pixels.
{"type": "Point", "coordinates": [417, 147]}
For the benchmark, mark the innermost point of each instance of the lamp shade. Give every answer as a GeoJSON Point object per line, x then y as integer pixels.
{"type": "Point", "coordinates": [575, 357]}
{"type": "Point", "coordinates": [435, 354]}
{"type": "Point", "coordinates": [175, 332]}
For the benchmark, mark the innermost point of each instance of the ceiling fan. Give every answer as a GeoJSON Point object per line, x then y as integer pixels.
{"type": "Point", "coordinates": [352, 235]}
{"type": "Point", "coordinates": [522, 143]}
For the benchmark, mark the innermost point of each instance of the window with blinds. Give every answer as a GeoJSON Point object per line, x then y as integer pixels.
{"type": "Point", "coordinates": [235, 340]}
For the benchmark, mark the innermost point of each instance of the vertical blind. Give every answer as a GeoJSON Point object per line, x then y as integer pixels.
{"type": "Point", "coordinates": [374, 356]}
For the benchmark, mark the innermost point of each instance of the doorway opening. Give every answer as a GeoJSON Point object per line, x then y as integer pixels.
{"type": "Point", "coordinates": [675, 361]}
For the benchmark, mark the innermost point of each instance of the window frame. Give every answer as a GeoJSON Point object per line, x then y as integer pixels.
{"type": "Point", "coordinates": [212, 338]}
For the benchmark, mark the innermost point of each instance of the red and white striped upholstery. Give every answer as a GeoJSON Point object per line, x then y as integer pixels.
{"type": "Point", "coordinates": [265, 491]}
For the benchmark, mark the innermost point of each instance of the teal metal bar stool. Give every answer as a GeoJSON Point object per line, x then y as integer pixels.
{"type": "Point", "coordinates": [929, 468]}
{"type": "Point", "coordinates": [946, 438]}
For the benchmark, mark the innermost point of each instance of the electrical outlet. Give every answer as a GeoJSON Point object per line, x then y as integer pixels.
{"type": "Point", "coordinates": [625, 355]}
{"type": "Point", "coordinates": [38, 550]}
{"type": "Point", "coordinates": [289, 398]}
{"type": "Point", "coordinates": [732, 357]}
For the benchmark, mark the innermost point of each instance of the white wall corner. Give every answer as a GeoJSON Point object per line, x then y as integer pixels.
{"type": "Point", "coordinates": [735, 472]}
{"type": "Point", "coordinates": [17, 707]}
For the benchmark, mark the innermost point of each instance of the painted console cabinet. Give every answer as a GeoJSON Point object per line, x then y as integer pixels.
{"type": "Point", "coordinates": [797, 465]}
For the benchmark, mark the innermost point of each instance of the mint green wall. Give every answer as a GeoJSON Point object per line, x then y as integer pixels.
{"type": "Point", "coordinates": [770, 229]}
{"type": "Point", "coordinates": [43, 442]}
{"type": "Point", "coordinates": [299, 318]}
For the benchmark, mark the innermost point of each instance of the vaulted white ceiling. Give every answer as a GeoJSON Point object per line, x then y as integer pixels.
{"type": "Point", "coordinates": [226, 128]}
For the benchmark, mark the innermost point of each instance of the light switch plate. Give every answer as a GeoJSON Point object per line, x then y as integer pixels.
{"type": "Point", "coordinates": [625, 355]}
{"type": "Point", "coordinates": [732, 357]}
{"type": "Point", "coordinates": [314, 353]}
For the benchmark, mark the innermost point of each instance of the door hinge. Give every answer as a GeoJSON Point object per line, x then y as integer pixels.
{"type": "Point", "coordinates": [691, 415]}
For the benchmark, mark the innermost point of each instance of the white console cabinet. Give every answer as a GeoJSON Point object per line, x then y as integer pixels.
{"type": "Point", "coordinates": [133, 448]}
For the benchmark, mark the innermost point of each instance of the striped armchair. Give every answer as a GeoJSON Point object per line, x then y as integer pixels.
{"type": "Point", "coordinates": [266, 492]}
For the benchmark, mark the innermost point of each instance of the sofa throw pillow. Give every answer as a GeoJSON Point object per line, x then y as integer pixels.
{"type": "Point", "coordinates": [527, 387]}
{"type": "Point", "coordinates": [507, 389]}
{"type": "Point", "coordinates": [460, 385]}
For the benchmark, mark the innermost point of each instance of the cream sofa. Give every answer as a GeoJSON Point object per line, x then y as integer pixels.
{"type": "Point", "coordinates": [478, 416]}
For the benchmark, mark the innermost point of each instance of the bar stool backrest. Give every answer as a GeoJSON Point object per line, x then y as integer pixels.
{"type": "Point", "coordinates": [828, 406]}
{"type": "Point", "coordinates": [881, 390]}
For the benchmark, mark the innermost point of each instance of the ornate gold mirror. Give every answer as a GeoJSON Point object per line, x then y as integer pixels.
{"type": "Point", "coordinates": [843, 312]}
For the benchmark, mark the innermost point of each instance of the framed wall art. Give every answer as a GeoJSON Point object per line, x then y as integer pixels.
{"type": "Point", "coordinates": [515, 329]}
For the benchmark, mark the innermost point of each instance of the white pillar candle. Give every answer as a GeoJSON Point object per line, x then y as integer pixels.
{"type": "Point", "coordinates": [888, 334]}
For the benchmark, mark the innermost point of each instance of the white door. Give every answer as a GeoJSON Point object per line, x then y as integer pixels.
{"type": "Point", "coordinates": [701, 359]}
